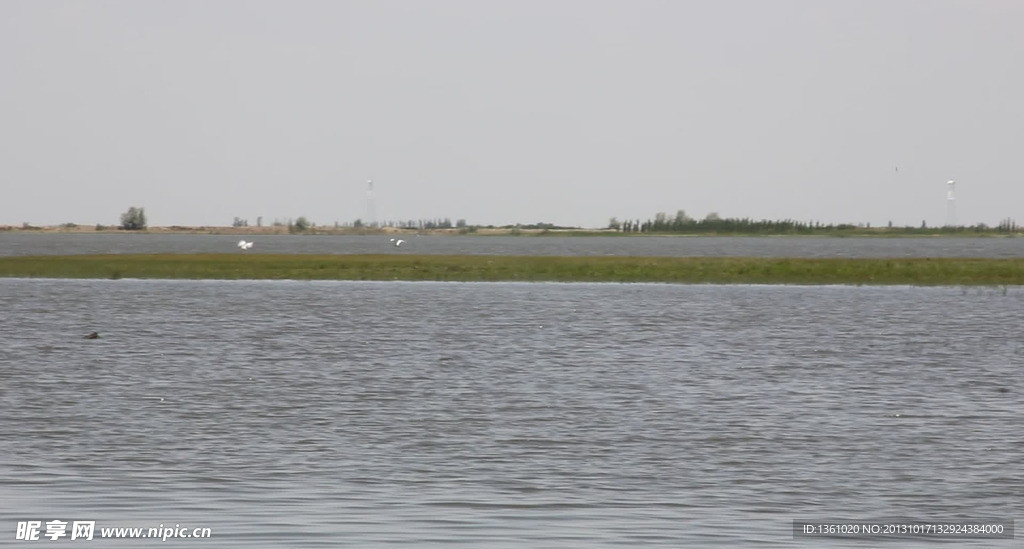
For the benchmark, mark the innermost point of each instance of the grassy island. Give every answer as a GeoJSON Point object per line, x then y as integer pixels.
{"type": "Point", "coordinates": [689, 270]}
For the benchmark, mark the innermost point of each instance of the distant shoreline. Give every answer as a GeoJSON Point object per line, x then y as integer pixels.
{"type": "Point", "coordinates": [483, 268]}
{"type": "Point", "coordinates": [283, 230]}
{"type": "Point", "coordinates": [879, 232]}
{"type": "Point", "coordinates": [211, 229]}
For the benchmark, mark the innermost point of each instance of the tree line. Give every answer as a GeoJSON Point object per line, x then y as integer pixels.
{"type": "Point", "coordinates": [134, 219]}
{"type": "Point", "coordinates": [681, 223]}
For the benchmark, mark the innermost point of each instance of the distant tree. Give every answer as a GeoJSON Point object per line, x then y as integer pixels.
{"type": "Point", "coordinates": [680, 220]}
{"type": "Point", "coordinates": [712, 216]}
{"type": "Point", "coordinates": [358, 223]}
{"type": "Point", "coordinates": [660, 221]}
{"type": "Point", "coordinates": [134, 219]}
{"type": "Point", "coordinates": [614, 224]}
{"type": "Point", "coordinates": [239, 222]}
{"type": "Point", "coordinates": [300, 225]}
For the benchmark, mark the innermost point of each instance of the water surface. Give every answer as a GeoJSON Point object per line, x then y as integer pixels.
{"type": "Point", "coordinates": [361, 414]}
{"type": "Point", "coordinates": [676, 246]}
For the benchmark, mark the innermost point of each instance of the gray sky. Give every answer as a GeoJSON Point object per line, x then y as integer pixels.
{"type": "Point", "coordinates": [568, 112]}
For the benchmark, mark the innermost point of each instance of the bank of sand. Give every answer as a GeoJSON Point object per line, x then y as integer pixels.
{"type": "Point", "coordinates": [270, 230]}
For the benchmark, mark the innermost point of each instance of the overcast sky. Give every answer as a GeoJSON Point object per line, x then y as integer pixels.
{"type": "Point", "coordinates": [560, 111]}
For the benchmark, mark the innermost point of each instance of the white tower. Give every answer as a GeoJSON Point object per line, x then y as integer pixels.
{"type": "Point", "coordinates": [951, 203]}
{"type": "Point", "coordinates": [371, 211]}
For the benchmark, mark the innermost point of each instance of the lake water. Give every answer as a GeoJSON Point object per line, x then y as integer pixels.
{"type": "Point", "coordinates": [385, 414]}
{"type": "Point", "coordinates": [765, 246]}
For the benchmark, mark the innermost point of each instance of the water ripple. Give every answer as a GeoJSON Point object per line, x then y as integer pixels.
{"type": "Point", "coordinates": [506, 415]}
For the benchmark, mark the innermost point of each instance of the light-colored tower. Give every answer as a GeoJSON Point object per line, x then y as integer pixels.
{"type": "Point", "coordinates": [371, 211]}
{"type": "Point", "coordinates": [951, 203]}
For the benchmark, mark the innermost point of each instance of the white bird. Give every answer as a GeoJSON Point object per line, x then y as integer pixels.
{"type": "Point", "coordinates": [243, 245]}
{"type": "Point", "coordinates": [399, 242]}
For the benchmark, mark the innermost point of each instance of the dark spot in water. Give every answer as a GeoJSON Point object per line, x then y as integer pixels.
{"type": "Point", "coordinates": [93, 335]}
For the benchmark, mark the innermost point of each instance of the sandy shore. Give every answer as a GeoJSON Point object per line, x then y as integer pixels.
{"type": "Point", "coordinates": [269, 230]}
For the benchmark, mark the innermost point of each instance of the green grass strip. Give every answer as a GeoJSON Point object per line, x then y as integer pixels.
{"type": "Point", "coordinates": [724, 270]}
